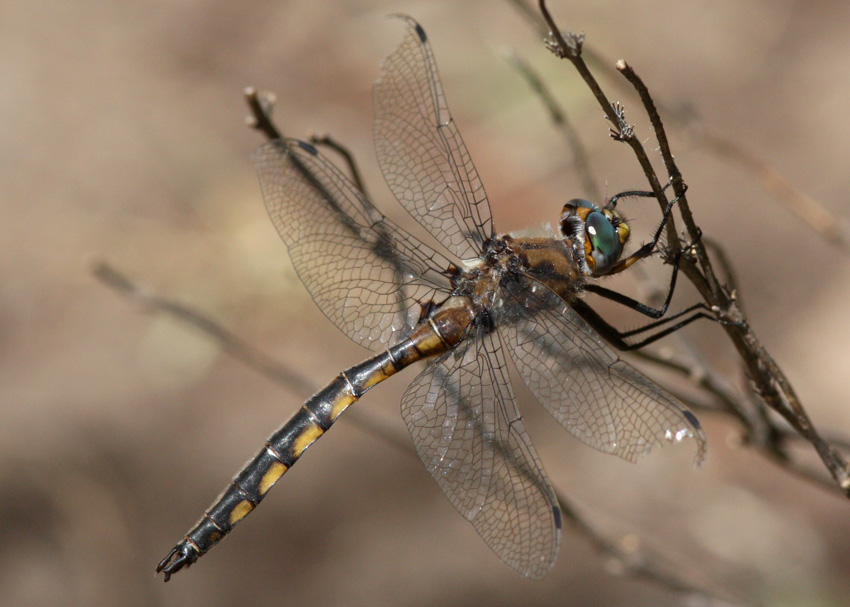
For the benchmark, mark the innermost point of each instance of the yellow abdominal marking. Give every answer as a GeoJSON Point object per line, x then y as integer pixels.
{"type": "Point", "coordinates": [305, 439]}
{"type": "Point", "coordinates": [271, 477]}
{"type": "Point", "coordinates": [341, 404]}
{"type": "Point", "coordinates": [430, 343]}
{"type": "Point", "coordinates": [377, 377]}
{"type": "Point", "coordinates": [241, 510]}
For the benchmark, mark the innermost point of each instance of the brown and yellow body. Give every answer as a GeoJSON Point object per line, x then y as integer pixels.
{"type": "Point", "coordinates": [551, 261]}
{"type": "Point", "coordinates": [548, 260]}
{"type": "Point", "coordinates": [441, 331]}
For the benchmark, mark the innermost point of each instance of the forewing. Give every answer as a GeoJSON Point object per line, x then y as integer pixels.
{"type": "Point", "coordinates": [367, 275]}
{"type": "Point", "coordinates": [421, 153]}
{"type": "Point", "coordinates": [466, 428]}
{"type": "Point", "coordinates": [581, 381]}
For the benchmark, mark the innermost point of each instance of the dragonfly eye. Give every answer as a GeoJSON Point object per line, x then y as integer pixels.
{"type": "Point", "coordinates": [603, 242]}
{"type": "Point", "coordinates": [603, 233]}
{"type": "Point", "coordinates": [574, 216]}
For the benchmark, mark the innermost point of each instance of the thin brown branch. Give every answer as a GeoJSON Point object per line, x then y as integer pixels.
{"type": "Point", "coordinates": [559, 117]}
{"type": "Point", "coordinates": [261, 113]}
{"type": "Point", "coordinates": [236, 347]}
{"type": "Point", "coordinates": [764, 370]}
{"type": "Point", "coordinates": [637, 562]}
{"type": "Point", "coordinates": [770, 382]}
{"type": "Point", "coordinates": [678, 186]}
{"type": "Point", "coordinates": [569, 47]}
{"type": "Point", "coordinates": [812, 212]}
{"type": "Point", "coordinates": [347, 156]}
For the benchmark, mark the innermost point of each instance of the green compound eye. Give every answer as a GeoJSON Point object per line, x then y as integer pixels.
{"type": "Point", "coordinates": [605, 241]}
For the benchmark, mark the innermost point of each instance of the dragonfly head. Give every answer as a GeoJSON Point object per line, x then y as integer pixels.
{"type": "Point", "coordinates": [602, 231]}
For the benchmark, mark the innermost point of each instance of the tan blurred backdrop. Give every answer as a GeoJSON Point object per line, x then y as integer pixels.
{"type": "Point", "coordinates": [122, 138]}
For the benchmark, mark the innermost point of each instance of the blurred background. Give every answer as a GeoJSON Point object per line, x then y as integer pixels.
{"type": "Point", "coordinates": [123, 139]}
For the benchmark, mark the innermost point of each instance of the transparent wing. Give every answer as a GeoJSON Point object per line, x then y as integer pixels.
{"type": "Point", "coordinates": [367, 275]}
{"type": "Point", "coordinates": [421, 153]}
{"type": "Point", "coordinates": [466, 428]}
{"type": "Point", "coordinates": [582, 382]}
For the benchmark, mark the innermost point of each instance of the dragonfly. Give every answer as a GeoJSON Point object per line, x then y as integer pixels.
{"type": "Point", "coordinates": [483, 299]}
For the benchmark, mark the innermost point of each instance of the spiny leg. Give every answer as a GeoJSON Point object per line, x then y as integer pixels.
{"type": "Point", "coordinates": [618, 338]}
{"type": "Point", "coordinates": [643, 308]}
{"type": "Point", "coordinates": [649, 248]}
{"type": "Point", "coordinates": [612, 202]}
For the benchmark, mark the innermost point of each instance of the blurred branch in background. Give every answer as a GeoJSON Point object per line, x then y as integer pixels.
{"type": "Point", "coordinates": [230, 343]}
{"type": "Point", "coordinates": [558, 115]}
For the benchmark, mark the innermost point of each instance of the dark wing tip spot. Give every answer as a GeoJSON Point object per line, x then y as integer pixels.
{"type": "Point", "coordinates": [308, 148]}
{"type": "Point", "coordinates": [556, 512]}
{"type": "Point", "coordinates": [691, 418]}
{"type": "Point", "coordinates": [421, 33]}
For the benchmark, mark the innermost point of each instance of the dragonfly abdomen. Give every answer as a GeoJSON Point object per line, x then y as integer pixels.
{"type": "Point", "coordinates": [283, 448]}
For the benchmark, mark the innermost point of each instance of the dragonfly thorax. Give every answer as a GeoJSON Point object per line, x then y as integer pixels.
{"type": "Point", "coordinates": [602, 232]}
{"type": "Point", "coordinates": [540, 254]}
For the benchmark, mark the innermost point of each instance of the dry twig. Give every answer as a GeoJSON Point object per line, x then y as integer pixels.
{"type": "Point", "coordinates": [732, 153]}
{"type": "Point", "coordinates": [769, 382]}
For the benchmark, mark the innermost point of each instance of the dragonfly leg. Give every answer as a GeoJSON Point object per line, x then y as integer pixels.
{"type": "Point", "coordinates": [643, 308]}
{"type": "Point", "coordinates": [618, 338]}
{"type": "Point", "coordinates": [649, 248]}
{"type": "Point", "coordinates": [612, 202]}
